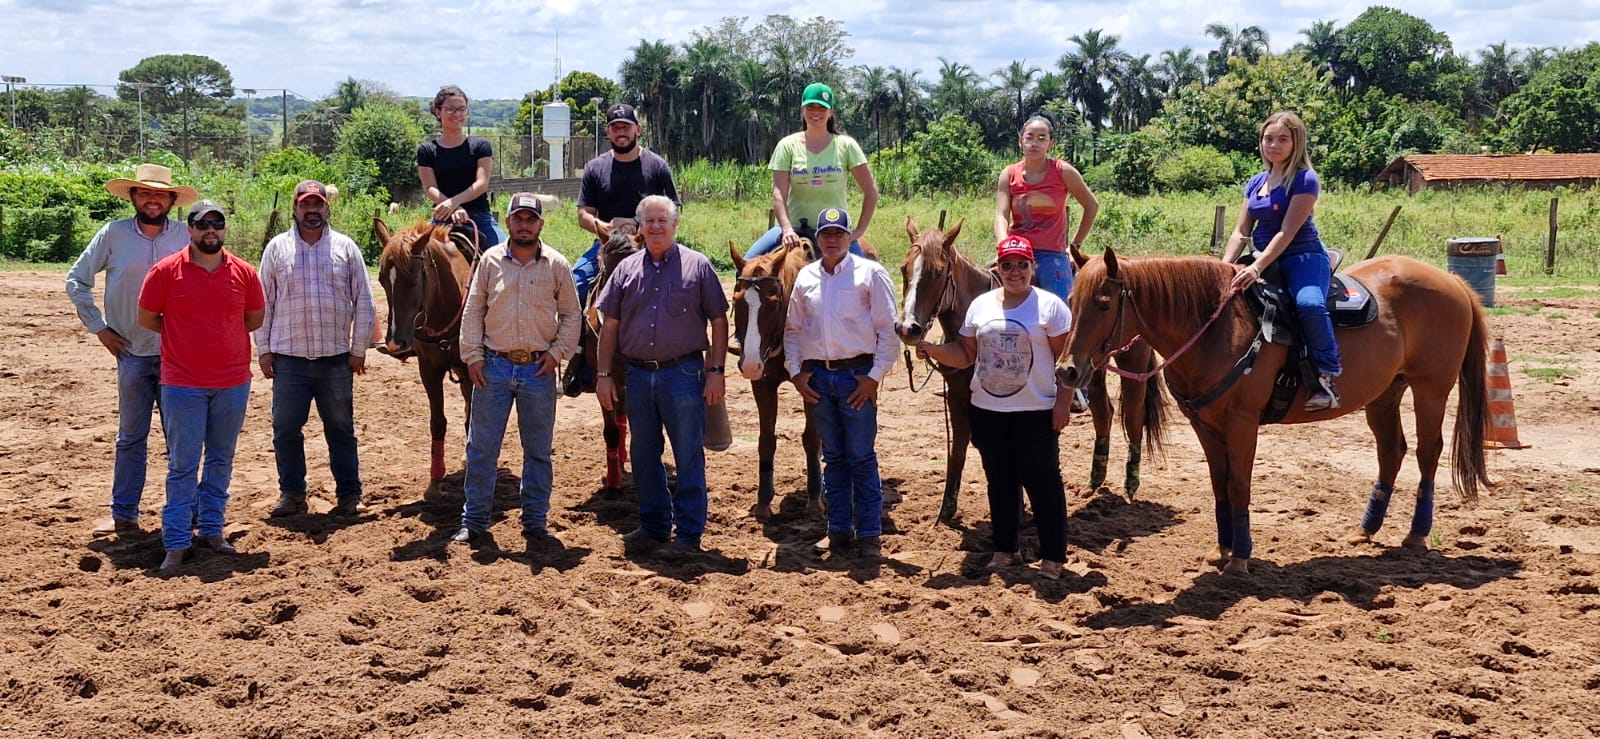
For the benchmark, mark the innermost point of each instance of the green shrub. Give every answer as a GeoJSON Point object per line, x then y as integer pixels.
{"type": "Point", "coordinates": [40, 234]}
{"type": "Point", "coordinates": [951, 157]}
{"type": "Point", "coordinates": [387, 137]}
{"type": "Point", "coordinates": [1101, 178]}
{"type": "Point", "coordinates": [1194, 168]}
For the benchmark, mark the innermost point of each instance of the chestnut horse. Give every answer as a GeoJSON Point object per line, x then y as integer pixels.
{"type": "Point", "coordinates": [760, 309]}
{"type": "Point", "coordinates": [939, 283]}
{"type": "Point", "coordinates": [424, 271]}
{"type": "Point", "coordinates": [1429, 334]}
{"type": "Point", "coordinates": [617, 240]}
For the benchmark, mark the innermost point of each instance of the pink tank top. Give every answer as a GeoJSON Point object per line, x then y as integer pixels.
{"type": "Point", "coordinates": [1039, 210]}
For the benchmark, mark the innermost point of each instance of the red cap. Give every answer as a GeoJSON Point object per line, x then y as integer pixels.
{"type": "Point", "coordinates": [1015, 246]}
{"type": "Point", "coordinates": [310, 189]}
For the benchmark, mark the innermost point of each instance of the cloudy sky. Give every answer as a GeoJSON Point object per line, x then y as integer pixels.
{"type": "Point", "coordinates": [503, 48]}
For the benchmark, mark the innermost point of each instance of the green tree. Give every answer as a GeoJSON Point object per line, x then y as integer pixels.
{"type": "Point", "coordinates": [951, 157]}
{"type": "Point", "coordinates": [1559, 109]}
{"type": "Point", "coordinates": [1227, 114]}
{"type": "Point", "coordinates": [1249, 43]}
{"type": "Point", "coordinates": [387, 137]}
{"type": "Point", "coordinates": [1178, 69]}
{"type": "Point", "coordinates": [1086, 70]}
{"type": "Point", "coordinates": [186, 87]}
{"type": "Point", "coordinates": [1401, 54]}
{"type": "Point", "coordinates": [648, 79]}
{"type": "Point", "coordinates": [1016, 80]}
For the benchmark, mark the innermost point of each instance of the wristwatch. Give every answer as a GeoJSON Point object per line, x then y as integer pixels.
{"type": "Point", "coordinates": [717, 368]}
{"type": "Point", "coordinates": [602, 374]}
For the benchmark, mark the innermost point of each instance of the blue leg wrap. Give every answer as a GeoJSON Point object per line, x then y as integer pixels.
{"type": "Point", "coordinates": [1422, 517]}
{"type": "Point", "coordinates": [1377, 508]}
{"type": "Point", "coordinates": [1242, 545]}
{"type": "Point", "coordinates": [1224, 525]}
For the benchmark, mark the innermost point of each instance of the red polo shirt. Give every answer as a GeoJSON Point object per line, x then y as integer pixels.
{"type": "Point", "coordinates": [204, 343]}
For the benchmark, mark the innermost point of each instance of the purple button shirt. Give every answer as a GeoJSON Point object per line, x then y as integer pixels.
{"type": "Point", "coordinates": [663, 307]}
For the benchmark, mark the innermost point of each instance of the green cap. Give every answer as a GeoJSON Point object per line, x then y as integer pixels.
{"type": "Point", "coordinates": [817, 94]}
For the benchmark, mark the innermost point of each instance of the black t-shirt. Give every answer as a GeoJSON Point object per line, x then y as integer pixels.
{"type": "Point", "coordinates": [455, 167]}
{"type": "Point", "coordinates": [615, 188]}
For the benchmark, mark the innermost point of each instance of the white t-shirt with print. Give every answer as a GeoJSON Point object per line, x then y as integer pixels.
{"type": "Point", "coordinates": [1015, 369]}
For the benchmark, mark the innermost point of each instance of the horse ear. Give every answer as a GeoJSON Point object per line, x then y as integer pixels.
{"type": "Point", "coordinates": [1078, 257]}
{"type": "Point", "coordinates": [738, 259]}
{"type": "Point", "coordinates": [1111, 262]}
{"type": "Point", "coordinates": [950, 237]}
{"type": "Point", "coordinates": [380, 230]}
{"type": "Point", "coordinates": [911, 228]}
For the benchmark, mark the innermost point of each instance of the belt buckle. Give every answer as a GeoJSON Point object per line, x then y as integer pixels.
{"type": "Point", "coordinates": [519, 356]}
{"type": "Point", "coordinates": [653, 365]}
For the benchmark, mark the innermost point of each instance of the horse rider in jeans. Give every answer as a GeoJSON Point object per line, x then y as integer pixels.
{"type": "Point", "coordinates": [311, 344]}
{"type": "Point", "coordinates": [613, 184]}
{"type": "Point", "coordinates": [125, 250]}
{"type": "Point", "coordinates": [520, 322]}
{"type": "Point", "coordinates": [657, 306]}
{"type": "Point", "coordinates": [839, 342]}
{"type": "Point", "coordinates": [204, 302]}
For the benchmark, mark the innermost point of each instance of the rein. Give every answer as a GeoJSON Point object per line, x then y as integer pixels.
{"type": "Point", "coordinates": [1125, 296]}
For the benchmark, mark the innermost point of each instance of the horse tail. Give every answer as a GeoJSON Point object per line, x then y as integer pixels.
{"type": "Point", "coordinates": [1155, 414]}
{"type": "Point", "coordinates": [1472, 410]}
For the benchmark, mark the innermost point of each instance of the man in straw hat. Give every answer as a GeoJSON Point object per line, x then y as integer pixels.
{"type": "Point", "coordinates": [125, 250]}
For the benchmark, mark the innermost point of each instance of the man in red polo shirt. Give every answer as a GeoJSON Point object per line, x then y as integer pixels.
{"type": "Point", "coordinates": [204, 302]}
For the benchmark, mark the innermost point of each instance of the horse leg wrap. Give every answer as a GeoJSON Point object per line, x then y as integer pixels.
{"type": "Point", "coordinates": [1242, 545]}
{"type": "Point", "coordinates": [1377, 508]}
{"type": "Point", "coordinates": [622, 439]}
{"type": "Point", "coordinates": [1422, 517]}
{"type": "Point", "coordinates": [436, 460]}
{"type": "Point", "coordinates": [764, 487]}
{"type": "Point", "coordinates": [1102, 458]}
{"type": "Point", "coordinates": [1224, 525]}
{"type": "Point", "coordinates": [613, 478]}
{"type": "Point", "coordinates": [1130, 482]}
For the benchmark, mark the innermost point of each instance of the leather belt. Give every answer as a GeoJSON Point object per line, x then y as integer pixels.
{"type": "Point", "coordinates": [516, 356]}
{"type": "Point", "coordinates": [656, 364]}
{"type": "Point", "coordinates": [856, 362]}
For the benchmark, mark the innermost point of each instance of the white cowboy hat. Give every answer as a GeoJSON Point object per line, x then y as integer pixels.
{"type": "Point", "coordinates": [152, 177]}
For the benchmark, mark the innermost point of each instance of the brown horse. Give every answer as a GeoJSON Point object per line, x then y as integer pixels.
{"type": "Point", "coordinates": [617, 240]}
{"type": "Point", "coordinates": [1430, 334]}
{"type": "Point", "coordinates": [939, 283]}
{"type": "Point", "coordinates": [760, 308]}
{"type": "Point", "coordinates": [424, 271]}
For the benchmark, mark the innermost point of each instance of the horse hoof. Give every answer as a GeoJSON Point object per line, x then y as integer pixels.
{"type": "Point", "coordinates": [1237, 567]}
{"type": "Point", "coordinates": [1359, 536]}
{"type": "Point", "coordinates": [1413, 541]}
{"type": "Point", "coordinates": [1218, 556]}
{"type": "Point", "coordinates": [761, 512]}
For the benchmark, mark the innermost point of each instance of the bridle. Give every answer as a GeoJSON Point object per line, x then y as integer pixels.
{"type": "Point", "coordinates": [772, 346]}
{"type": "Point", "coordinates": [1125, 298]}
{"type": "Point", "coordinates": [427, 263]}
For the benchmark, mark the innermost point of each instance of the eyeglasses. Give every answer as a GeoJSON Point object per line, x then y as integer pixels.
{"type": "Point", "coordinates": [454, 108]}
{"type": "Point", "coordinates": [208, 224]}
{"type": "Point", "coordinates": [1013, 266]}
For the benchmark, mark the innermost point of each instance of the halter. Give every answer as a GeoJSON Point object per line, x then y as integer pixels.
{"type": "Point", "coordinates": [1124, 298]}
{"type": "Point", "coordinates": [767, 352]}
{"type": "Point", "coordinates": [429, 261]}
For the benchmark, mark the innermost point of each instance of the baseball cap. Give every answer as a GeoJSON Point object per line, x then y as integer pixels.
{"type": "Point", "coordinates": [1015, 246]}
{"type": "Point", "coordinates": [817, 93]}
{"type": "Point", "coordinates": [525, 201]}
{"type": "Point", "coordinates": [204, 207]}
{"type": "Point", "coordinates": [310, 189]}
{"type": "Point", "coordinates": [621, 112]}
{"type": "Point", "coordinates": [833, 218]}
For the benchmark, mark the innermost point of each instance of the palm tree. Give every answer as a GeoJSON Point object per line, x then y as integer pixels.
{"type": "Point", "coordinates": [910, 101]}
{"type": "Point", "coordinates": [708, 79]}
{"type": "Point", "coordinates": [873, 94]}
{"type": "Point", "coordinates": [788, 76]}
{"type": "Point", "coordinates": [1321, 46]}
{"type": "Point", "coordinates": [1179, 68]}
{"type": "Point", "coordinates": [647, 78]}
{"type": "Point", "coordinates": [1086, 70]}
{"type": "Point", "coordinates": [1136, 93]}
{"type": "Point", "coordinates": [1016, 80]}
{"type": "Point", "coordinates": [957, 88]}
{"type": "Point", "coordinates": [1249, 42]}
{"type": "Point", "coordinates": [757, 106]}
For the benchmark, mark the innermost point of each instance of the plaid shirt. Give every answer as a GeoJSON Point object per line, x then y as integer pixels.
{"type": "Point", "coordinates": [319, 302]}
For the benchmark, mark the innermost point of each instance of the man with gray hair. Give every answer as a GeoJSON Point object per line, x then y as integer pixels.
{"type": "Point", "coordinates": [656, 307]}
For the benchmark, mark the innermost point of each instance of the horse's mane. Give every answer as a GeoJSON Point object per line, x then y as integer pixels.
{"type": "Point", "coordinates": [1176, 286]}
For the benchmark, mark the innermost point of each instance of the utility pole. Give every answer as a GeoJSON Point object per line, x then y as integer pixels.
{"type": "Point", "coordinates": [141, 87]}
{"type": "Point", "coordinates": [249, 143]}
{"type": "Point", "coordinates": [11, 91]}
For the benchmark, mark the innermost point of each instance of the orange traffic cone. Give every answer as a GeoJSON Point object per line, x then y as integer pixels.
{"type": "Point", "coordinates": [1502, 431]}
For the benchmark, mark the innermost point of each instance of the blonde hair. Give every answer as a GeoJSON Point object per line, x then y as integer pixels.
{"type": "Point", "coordinates": [1300, 155]}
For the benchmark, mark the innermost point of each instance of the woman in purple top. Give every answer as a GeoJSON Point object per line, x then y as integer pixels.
{"type": "Point", "coordinates": [455, 167]}
{"type": "Point", "coordinates": [1277, 215]}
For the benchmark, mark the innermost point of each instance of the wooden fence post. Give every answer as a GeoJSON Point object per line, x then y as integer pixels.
{"type": "Point", "coordinates": [941, 219]}
{"type": "Point", "coordinates": [1217, 222]}
{"type": "Point", "coordinates": [1383, 233]}
{"type": "Point", "coordinates": [1550, 248]}
{"type": "Point", "coordinates": [772, 217]}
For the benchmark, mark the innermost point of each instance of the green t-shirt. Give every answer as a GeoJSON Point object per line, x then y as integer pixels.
{"type": "Point", "coordinates": [816, 181]}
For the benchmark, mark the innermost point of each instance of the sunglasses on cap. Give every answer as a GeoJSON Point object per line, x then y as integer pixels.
{"type": "Point", "coordinates": [211, 224]}
{"type": "Point", "coordinates": [1009, 266]}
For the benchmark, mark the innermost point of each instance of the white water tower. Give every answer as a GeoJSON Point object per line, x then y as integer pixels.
{"type": "Point", "coordinates": [557, 130]}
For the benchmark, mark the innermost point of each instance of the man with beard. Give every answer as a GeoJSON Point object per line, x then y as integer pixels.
{"type": "Point", "coordinates": [613, 184]}
{"type": "Point", "coordinates": [311, 344]}
{"type": "Point", "coordinates": [125, 250]}
{"type": "Point", "coordinates": [657, 305]}
{"type": "Point", "coordinates": [519, 323]}
{"type": "Point", "coordinates": [204, 302]}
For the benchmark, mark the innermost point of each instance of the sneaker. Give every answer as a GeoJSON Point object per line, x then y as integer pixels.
{"type": "Point", "coordinates": [468, 536]}
{"type": "Point", "coordinates": [736, 347]}
{"type": "Point", "coordinates": [289, 505]}
{"type": "Point", "coordinates": [1323, 396]}
{"type": "Point", "coordinates": [1080, 401]}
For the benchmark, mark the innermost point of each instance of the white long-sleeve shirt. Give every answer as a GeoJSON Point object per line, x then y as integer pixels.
{"type": "Point", "coordinates": [842, 314]}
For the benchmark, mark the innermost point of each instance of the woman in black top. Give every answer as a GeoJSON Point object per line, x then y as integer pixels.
{"type": "Point", "coordinates": [455, 167]}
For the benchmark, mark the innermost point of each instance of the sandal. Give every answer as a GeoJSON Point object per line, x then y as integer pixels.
{"type": "Point", "coordinates": [1002, 560]}
{"type": "Point", "coordinates": [1050, 570]}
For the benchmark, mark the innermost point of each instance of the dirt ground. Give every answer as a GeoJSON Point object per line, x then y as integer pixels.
{"type": "Point", "coordinates": [379, 627]}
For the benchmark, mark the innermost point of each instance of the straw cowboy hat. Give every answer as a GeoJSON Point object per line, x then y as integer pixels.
{"type": "Point", "coordinates": [152, 177]}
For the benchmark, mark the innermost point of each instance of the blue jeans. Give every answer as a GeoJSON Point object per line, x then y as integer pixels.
{"type": "Point", "coordinates": [488, 230]}
{"type": "Point", "coordinates": [505, 385]}
{"type": "Point", "coordinates": [138, 390]}
{"type": "Point", "coordinates": [850, 480]}
{"type": "Point", "coordinates": [773, 237]}
{"type": "Point", "coordinates": [670, 398]}
{"type": "Point", "coordinates": [296, 383]}
{"type": "Point", "coordinates": [585, 270]}
{"type": "Point", "coordinates": [1056, 272]}
{"type": "Point", "coordinates": [1306, 275]}
{"type": "Point", "coordinates": [199, 422]}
